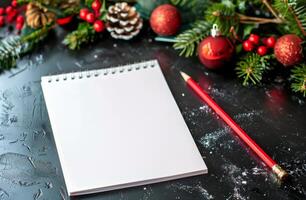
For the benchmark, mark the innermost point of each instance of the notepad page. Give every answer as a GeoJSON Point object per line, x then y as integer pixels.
{"type": "Point", "coordinates": [119, 129]}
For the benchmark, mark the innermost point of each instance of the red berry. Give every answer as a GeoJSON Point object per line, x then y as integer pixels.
{"type": "Point", "coordinates": [271, 42]}
{"type": "Point", "coordinates": [90, 18]}
{"type": "Point", "coordinates": [2, 11]}
{"type": "Point", "coordinates": [83, 13]}
{"type": "Point", "coordinates": [9, 10]}
{"type": "Point", "coordinates": [19, 26]}
{"type": "Point", "coordinates": [14, 3]}
{"type": "Point", "coordinates": [262, 50]}
{"type": "Point", "coordinates": [2, 21]}
{"type": "Point", "coordinates": [96, 5]}
{"type": "Point", "coordinates": [99, 26]}
{"type": "Point", "coordinates": [248, 45]}
{"type": "Point", "coordinates": [20, 19]}
{"type": "Point", "coordinates": [254, 39]}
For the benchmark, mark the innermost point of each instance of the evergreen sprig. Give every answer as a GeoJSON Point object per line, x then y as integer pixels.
{"type": "Point", "coordinates": [84, 34]}
{"type": "Point", "coordinates": [251, 67]}
{"type": "Point", "coordinates": [188, 41]}
{"type": "Point", "coordinates": [294, 14]}
{"type": "Point", "coordinates": [224, 16]}
{"type": "Point", "coordinates": [298, 78]}
{"type": "Point", "coordinates": [11, 49]}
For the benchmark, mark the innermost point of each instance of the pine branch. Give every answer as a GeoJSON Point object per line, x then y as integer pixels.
{"type": "Point", "coordinates": [298, 79]}
{"type": "Point", "coordinates": [11, 48]}
{"type": "Point", "coordinates": [224, 16]}
{"type": "Point", "coordinates": [294, 13]}
{"type": "Point", "coordinates": [183, 3]}
{"type": "Point", "coordinates": [84, 34]}
{"type": "Point", "coordinates": [188, 41]}
{"type": "Point", "coordinates": [251, 67]}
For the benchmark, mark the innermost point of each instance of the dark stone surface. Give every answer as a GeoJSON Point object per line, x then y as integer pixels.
{"type": "Point", "coordinates": [29, 165]}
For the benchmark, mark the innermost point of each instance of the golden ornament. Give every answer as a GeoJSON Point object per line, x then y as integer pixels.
{"type": "Point", "coordinates": [37, 17]}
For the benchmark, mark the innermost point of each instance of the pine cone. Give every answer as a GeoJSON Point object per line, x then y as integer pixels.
{"type": "Point", "coordinates": [123, 21]}
{"type": "Point", "coordinates": [37, 17]}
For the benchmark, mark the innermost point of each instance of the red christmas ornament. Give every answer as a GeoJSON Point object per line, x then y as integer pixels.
{"type": "Point", "coordinates": [248, 45]}
{"type": "Point", "coordinates": [90, 18]}
{"type": "Point", "coordinates": [270, 42]}
{"type": "Point", "coordinates": [255, 39]}
{"type": "Point", "coordinates": [262, 50]}
{"type": "Point", "coordinates": [288, 50]}
{"type": "Point", "coordinates": [215, 50]}
{"type": "Point", "coordinates": [165, 20]}
{"type": "Point", "coordinates": [99, 26]}
{"type": "Point", "coordinates": [83, 13]}
{"type": "Point", "coordinates": [64, 21]}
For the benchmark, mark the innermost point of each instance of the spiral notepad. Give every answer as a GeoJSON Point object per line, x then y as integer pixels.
{"type": "Point", "coordinates": [118, 127]}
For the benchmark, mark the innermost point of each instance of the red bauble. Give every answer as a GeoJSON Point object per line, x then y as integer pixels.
{"type": "Point", "coordinates": [214, 52]}
{"type": "Point", "coordinates": [165, 20]}
{"type": "Point", "coordinates": [288, 50]}
{"type": "Point", "coordinates": [255, 39]}
{"type": "Point", "coordinates": [262, 50]}
{"type": "Point", "coordinates": [83, 13]}
{"type": "Point", "coordinates": [248, 45]}
{"type": "Point", "coordinates": [99, 26]}
{"type": "Point", "coordinates": [90, 18]}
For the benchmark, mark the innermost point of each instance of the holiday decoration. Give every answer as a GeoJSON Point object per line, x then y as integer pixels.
{"type": "Point", "coordinates": [37, 17]}
{"type": "Point", "coordinates": [165, 20]}
{"type": "Point", "coordinates": [288, 50]}
{"type": "Point", "coordinates": [249, 28]}
{"type": "Point", "coordinates": [123, 21]}
{"type": "Point", "coordinates": [215, 50]}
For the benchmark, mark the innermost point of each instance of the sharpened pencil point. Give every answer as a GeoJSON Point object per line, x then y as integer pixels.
{"type": "Point", "coordinates": [185, 76]}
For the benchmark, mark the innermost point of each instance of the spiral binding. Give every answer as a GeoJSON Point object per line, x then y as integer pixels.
{"type": "Point", "coordinates": [101, 72]}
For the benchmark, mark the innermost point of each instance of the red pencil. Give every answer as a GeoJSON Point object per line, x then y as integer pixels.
{"type": "Point", "coordinates": [281, 174]}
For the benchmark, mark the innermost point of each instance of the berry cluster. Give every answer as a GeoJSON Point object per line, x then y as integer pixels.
{"type": "Point", "coordinates": [10, 14]}
{"type": "Point", "coordinates": [261, 46]}
{"type": "Point", "coordinates": [93, 17]}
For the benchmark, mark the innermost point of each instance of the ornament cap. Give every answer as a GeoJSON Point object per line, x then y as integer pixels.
{"type": "Point", "coordinates": [215, 31]}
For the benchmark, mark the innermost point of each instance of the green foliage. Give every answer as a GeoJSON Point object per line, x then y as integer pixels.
{"type": "Point", "coordinates": [145, 7]}
{"type": "Point", "coordinates": [84, 34]}
{"type": "Point", "coordinates": [11, 49]}
{"type": "Point", "coordinates": [298, 79]}
{"type": "Point", "coordinates": [224, 16]}
{"type": "Point", "coordinates": [294, 14]}
{"type": "Point", "coordinates": [251, 67]}
{"type": "Point", "coordinates": [188, 41]}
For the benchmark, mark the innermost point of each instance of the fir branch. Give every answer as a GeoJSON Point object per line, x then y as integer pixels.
{"type": "Point", "coordinates": [188, 41]}
{"type": "Point", "coordinates": [298, 78]}
{"type": "Point", "coordinates": [224, 16]}
{"type": "Point", "coordinates": [294, 14]}
{"type": "Point", "coordinates": [11, 49]}
{"type": "Point", "coordinates": [182, 3]}
{"type": "Point", "coordinates": [84, 34]}
{"type": "Point", "coordinates": [251, 67]}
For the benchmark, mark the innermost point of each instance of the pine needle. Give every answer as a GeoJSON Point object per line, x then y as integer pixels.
{"type": "Point", "coordinates": [188, 41]}
{"type": "Point", "coordinates": [298, 79]}
{"type": "Point", "coordinates": [251, 67]}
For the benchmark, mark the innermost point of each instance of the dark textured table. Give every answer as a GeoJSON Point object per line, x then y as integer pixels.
{"type": "Point", "coordinates": [29, 165]}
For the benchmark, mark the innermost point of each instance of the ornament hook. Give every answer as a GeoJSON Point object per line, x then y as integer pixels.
{"type": "Point", "coordinates": [215, 30]}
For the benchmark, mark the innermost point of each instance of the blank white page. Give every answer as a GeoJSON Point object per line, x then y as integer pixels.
{"type": "Point", "coordinates": [119, 127]}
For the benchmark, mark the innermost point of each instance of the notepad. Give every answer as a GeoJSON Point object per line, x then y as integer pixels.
{"type": "Point", "coordinates": [118, 127]}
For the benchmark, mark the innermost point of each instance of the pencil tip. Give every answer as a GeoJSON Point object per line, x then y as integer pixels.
{"type": "Point", "coordinates": [185, 76]}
